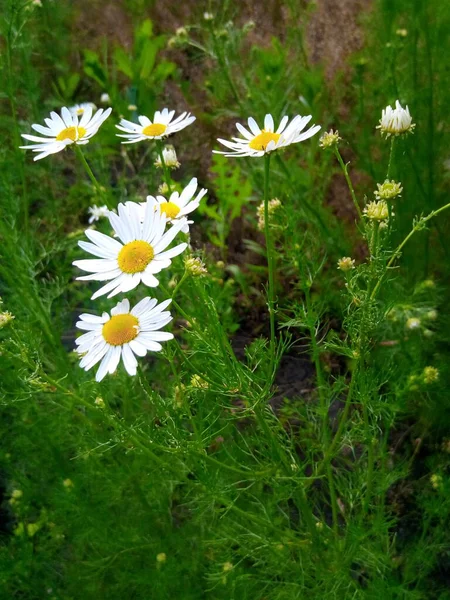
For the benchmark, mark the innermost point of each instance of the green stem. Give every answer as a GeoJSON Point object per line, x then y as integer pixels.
{"type": "Point", "coordinates": [223, 65]}
{"type": "Point", "coordinates": [419, 225]}
{"type": "Point", "coordinates": [391, 157]}
{"type": "Point", "coordinates": [270, 265]}
{"type": "Point", "coordinates": [349, 181]}
{"type": "Point", "coordinates": [84, 162]}
{"type": "Point", "coordinates": [159, 148]}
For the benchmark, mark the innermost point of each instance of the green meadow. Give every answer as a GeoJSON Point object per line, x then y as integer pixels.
{"type": "Point", "coordinates": [224, 300]}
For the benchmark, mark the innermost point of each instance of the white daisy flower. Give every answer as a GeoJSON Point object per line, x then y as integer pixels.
{"type": "Point", "coordinates": [79, 109]}
{"type": "Point", "coordinates": [61, 131]}
{"type": "Point", "coordinates": [123, 334]}
{"type": "Point", "coordinates": [138, 256]}
{"type": "Point", "coordinates": [97, 212]}
{"type": "Point", "coordinates": [395, 121]}
{"type": "Point", "coordinates": [258, 142]}
{"type": "Point", "coordinates": [178, 205]}
{"type": "Point", "coordinates": [162, 126]}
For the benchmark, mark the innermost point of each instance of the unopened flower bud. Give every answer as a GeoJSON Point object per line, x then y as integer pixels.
{"type": "Point", "coordinates": [395, 121]}
{"type": "Point", "coordinates": [413, 323]}
{"type": "Point", "coordinates": [388, 190]}
{"type": "Point", "coordinates": [329, 139]}
{"type": "Point", "coordinates": [430, 375]}
{"type": "Point", "coordinates": [346, 263]}
{"type": "Point", "coordinates": [195, 266]}
{"type": "Point", "coordinates": [377, 211]}
{"type": "Point", "coordinates": [5, 318]}
{"type": "Point", "coordinates": [170, 158]}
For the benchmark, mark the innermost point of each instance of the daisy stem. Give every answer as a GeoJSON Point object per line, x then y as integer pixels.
{"type": "Point", "coordinates": [159, 148]}
{"type": "Point", "coordinates": [391, 156]}
{"type": "Point", "coordinates": [348, 180]}
{"type": "Point", "coordinates": [270, 265]}
{"type": "Point", "coordinates": [98, 187]}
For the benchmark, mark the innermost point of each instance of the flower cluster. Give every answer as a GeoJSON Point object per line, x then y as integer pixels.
{"type": "Point", "coordinates": [140, 247]}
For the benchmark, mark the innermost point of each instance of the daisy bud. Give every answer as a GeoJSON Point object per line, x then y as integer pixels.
{"type": "Point", "coordinates": [170, 158]}
{"type": "Point", "coordinates": [377, 211]}
{"type": "Point", "coordinates": [99, 402]}
{"type": "Point", "coordinates": [395, 121]}
{"type": "Point", "coordinates": [181, 32]}
{"type": "Point", "coordinates": [208, 16]}
{"type": "Point", "coordinates": [413, 323]}
{"type": "Point", "coordinates": [346, 263]}
{"type": "Point", "coordinates": [388, 190]}
{"type": "Point", "coordinates": [16, 494]}
{"type": "Point", "coordinates": [68, 484]}
{"type": "Point", "coordinates": [402, 32]}
{"type": "Point", "coordinates": [161, 557]}
{"type": "Point", "coordinates": [227, 566]}
{"type": "Point", "coordinates": [329, 139]}
{"type": "Point", "coordinates": [430, 375]}
{"type": "Point", "coordinates": [5, 318]}
{"type": "Point", "coordinates": [132, 107]}
{"type": "Point", "coordinates": [195, 267]}
{"type": "Point", "coordinates": [432, 315]}
{"type": "Point", "coordinates": [105, 99]}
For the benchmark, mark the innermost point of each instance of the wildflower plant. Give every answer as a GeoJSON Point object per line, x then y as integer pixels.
{"type": "Point", "coordinates": [246, 387]}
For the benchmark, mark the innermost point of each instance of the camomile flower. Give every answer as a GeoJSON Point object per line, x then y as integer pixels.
{"type": "Point", "coordinates": [395, 121]}
{"type": "Point", "coordinates": [138, 256]}
{"type": "Point", "coordinates": [178, 205]}
{"type": "Point", "coordinates": [79, 109]}
{"type": "Point", "coordinates": [122, 335]}
{"type": "Point", "coordinates": [163, 125]}
{"type": "Point", "coordinates": [61, 131]}
{"type": "Point", "coordinates": [258, 142]}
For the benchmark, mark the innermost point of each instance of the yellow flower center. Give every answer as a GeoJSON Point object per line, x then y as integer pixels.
{"type": "Point", "coordinates": [261, 141]}
{"type": "Point", "coordinates": [120, 329]}
{"type": "Point", "coordinates": [154, 130]}
{"type": "Point", "coordinates": [71, 133]}
{"type": "Point", "coordinates": [80, 111]}
{"type": "Point", "coordinates": [135, 256]}
{"type": "Point", "coordinates": [170, 209]}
